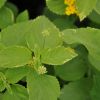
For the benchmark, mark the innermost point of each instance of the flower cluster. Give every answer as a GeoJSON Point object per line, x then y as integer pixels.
{"type": "Point", "coordinates": [71, 8]}
{"type": "Point", "coordinates": [42, 70]}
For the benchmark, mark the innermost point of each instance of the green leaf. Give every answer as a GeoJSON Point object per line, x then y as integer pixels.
{"type": "Point", "coordinates": [13, 7]}
{"type": "Point", "coordinates": [18, 93]}
{"type": "Point", "coordinates": [2, 2]}
{"type": "Point", "coordinates": [85, 7]}
{"type": "Point", "coordinates": [23, 16]}
{"type": "Point", "coordinates": [58, 55]}
{"type": "Point", "coordinates": [75, 68]}
{"type": "Point", "coordinates": [15, 56]}
{"type": "Point", "coordinates": [15, 34]}
{"type": "Point", "coordinates": [43, 35]}
{"type": "Point", "coordinates": [96, 87]}
{"type": "Point", "coordinates": [56, 6]}
{"type": "Point", "coordinates": [72, 70]}
{"type": "Point", "coordinates": [97, 7]}
{"type": "Point", "coordinates": [89, 37]}
{"type": "Point", "coordinates": [78, 90]}
{"type": "Point", "coordinates": [42, 87]}
{"type": "Point", "coordinates": [65, 22]}
{"type": "Point", "coordinates": [13, 75]}
{"type": "Point", "coordinates": [6, 17]}
{"type": "Point", "coordinates": [95, 17]}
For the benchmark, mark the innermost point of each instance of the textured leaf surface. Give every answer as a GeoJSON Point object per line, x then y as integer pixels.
{"type": "Point", "coordinates": [89, 37]}
{"type": "Point", "coordinates": [43, 35]}
{"type": "Point", "coordinates": [58, 55]}
{"type": "Point", "coordinates": [14, 56]}
{"type": "Point", "coordinates": [75, 68]}
{"type": "Point", "coordinates": [6, 17]}
{"type": "Point", "coordinates": [42, 87]}
{"type": "Point", "coordinates": [85, 7]}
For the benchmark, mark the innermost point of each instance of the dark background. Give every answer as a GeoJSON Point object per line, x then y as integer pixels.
{"type": "Point", "coordinates": [35, 7]}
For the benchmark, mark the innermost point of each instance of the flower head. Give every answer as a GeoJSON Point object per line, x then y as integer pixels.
{"type": "Point", "coordinates": [69, 2]}
{"type": "Point", "coordinates": [71, 7]}
{"type": "Point", "coordinates": [70, 10]}
{"type": "Point", "coordinates": [42, 70]}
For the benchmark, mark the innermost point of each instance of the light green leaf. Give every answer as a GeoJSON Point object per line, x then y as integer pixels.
{"type": "Point", "coordinates": [89, 37]}
{"type": "Point", "coordinates": [43, 35]}
{"type": "Point", "coordinates": [18, 93]}
{"type": "Point", "coordinates": [15, 56]}
{"type": "Point", "coordinates": [6, 17]}
{"type": "Point", "coordinates": [23, 16]}
{"type": "Point", "coordinates": [78, 90]}
{"type": "Point", "coordinates": [58, 55]}
{"type": "Point", "coordinates": [85, 7]}
{"type": "Point", "coordinates": [75, 68]}
{"type": "Point", "coordinates": [56, 6]}
{"type": "Point", "coordinates": [15, 34]}
{"type": "Point", "coordinates": [42, 87]}
{"type": "Point", "coordinates": [2, 2]}
{"type": "Point", "coordinates": [13, 75]}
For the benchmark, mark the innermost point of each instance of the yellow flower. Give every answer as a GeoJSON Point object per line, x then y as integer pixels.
{"type": "Point", "coordinates": [69, 2]}
{"type": "Point", "coordinates": [70, 10]}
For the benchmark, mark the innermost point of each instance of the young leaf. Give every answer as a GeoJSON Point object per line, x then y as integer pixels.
{"type": "Point", "coordinates": [43, 35]}
{"type": "Point", "coordinates": [18, 93]}
{"type": "Point", "coordinates": [15, 56]}
{"type": "Point", "coordinates": [23, 16]}
{"type": "Point", "coordinates": [32, 30]}
{"type": "Point", "coordinates": [85, 7]}
{"type": "Point", "coordinates": [42, 87]}
{"type": "Point", "coordinates": [89, 37]}
{"type": "Point", "coordinates": [57, 56]}
{"type": "Point", "coordinates": [13, 7]}
{"type": "Point", "coordinates": [6, 17]}
{"type": "Point", "coordinates": [56, 6]}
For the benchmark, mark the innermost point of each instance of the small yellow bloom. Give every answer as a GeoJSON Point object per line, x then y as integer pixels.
{"type": "Point", "coordinates": [70, 10]}
{"type": "Point", "coordinates": [69, 2]}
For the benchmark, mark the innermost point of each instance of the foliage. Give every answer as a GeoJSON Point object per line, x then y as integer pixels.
{"type": "Point", "coordinates": [49, 57]}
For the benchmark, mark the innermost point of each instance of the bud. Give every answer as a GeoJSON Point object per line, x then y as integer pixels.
{"type": "Point", "coordinates": [42, 70]}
